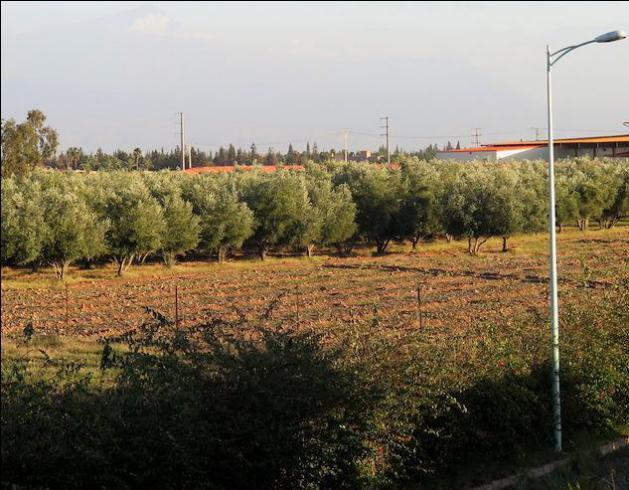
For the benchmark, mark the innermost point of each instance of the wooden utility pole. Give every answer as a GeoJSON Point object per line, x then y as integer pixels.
{"type": "Point", "coordinates": [183, 141]}
{"type": "Point", "coordinates": [386, 134]}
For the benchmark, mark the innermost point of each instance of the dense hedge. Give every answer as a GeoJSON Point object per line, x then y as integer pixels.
{"type": "Point", "coordinates": [358, 408]}
{"type": "Point", "coordinates": [56, 218]}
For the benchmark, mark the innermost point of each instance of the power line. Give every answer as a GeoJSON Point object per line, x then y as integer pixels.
{"type": "Point", "coordinates": [403, 137]}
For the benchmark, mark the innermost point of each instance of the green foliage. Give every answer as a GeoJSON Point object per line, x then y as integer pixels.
{"type": "Point", "coordinates": [26, 145]}
{"type": "Point", "coordinates": [378, 195]}
{"type": "Point", "coordinates": [181, 230]}
{"type": "Point", "coordinates": [419, 211]}
{"type": "Point", "coordinates": [476, 206]}
{"type": "Point", "coordinates": [137, 221]}
{"type": "Point", "coordinates": [73, 230]}
{"type": "Point", "coordinates": [24, 228]}
{"type": "Point", "coordinates": [329, 205]}
{"type": "Point", "coordinates": [282, 210]}
{"type": "Point", "coordinates": [226, 222]}
{"type": "Point", "coordinates": [184, 411]}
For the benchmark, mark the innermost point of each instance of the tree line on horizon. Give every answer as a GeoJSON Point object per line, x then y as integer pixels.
{"type": "Point", "coordinates": [57, 218]}
{"type": "Point", "coordinates": [30, 144]}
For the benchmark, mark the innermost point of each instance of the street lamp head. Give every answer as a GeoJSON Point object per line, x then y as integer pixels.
{"type": "Point", "coordinates": [610, 37]}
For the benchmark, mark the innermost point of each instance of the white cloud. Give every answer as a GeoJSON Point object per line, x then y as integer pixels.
{"type": "Point", "coordinates": [204, 36]}
{"type": "Point", "coordinates": [151, 24]}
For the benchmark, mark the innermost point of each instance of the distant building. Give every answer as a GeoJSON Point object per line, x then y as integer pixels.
{"type": "Point", "coordinates": [363, 155]}
{"type": "Point", "coordinates": [594, 146]}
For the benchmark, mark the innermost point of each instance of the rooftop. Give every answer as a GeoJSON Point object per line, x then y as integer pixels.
{"type": "Point", "coordinates": [527, 145]}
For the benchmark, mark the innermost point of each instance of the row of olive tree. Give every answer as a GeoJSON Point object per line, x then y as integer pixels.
{"type": "Point", "coordinates": [476, 201]}
{"type": "Point", "coordinates": [56, 218]}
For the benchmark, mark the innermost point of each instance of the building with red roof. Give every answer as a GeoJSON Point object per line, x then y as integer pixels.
{"type": "Point", "coordinates": [593, 146]}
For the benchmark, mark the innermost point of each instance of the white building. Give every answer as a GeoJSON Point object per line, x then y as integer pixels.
{"type": "Point", "coordinates": [596, 146]}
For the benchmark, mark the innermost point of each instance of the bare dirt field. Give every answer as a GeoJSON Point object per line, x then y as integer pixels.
{"type": "Point", "coordinates": [455, 289]}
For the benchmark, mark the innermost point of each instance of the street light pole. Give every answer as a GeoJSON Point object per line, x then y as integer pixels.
{"type": "Point", "coordinates": [554, 301]}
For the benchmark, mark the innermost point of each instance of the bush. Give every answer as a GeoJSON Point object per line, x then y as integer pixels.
{"type": "Point", "coordinates": [202, 412]}
{"type": "Point", "coordinates": [207, 408]}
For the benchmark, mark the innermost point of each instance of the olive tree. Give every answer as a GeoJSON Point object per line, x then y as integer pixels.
{"type": "Point", "coordinates": [137, 221]}
{"type": "Point", "coordinates": [24, 229]}
{"type": "Point", "coordinates": [74, 230]}
{"type": "Point", "coordinates": [339, 217]}
{"type": "Point", "coordinates": [280, 206]}
{"type": "Point", "coordinates": [181, 228]}
{"type": "Point", "coordinates": [566, 201]}
{"type": "Point", "coordinates": [594, 189]}
{"type": "Point", "coordinates": [377, 193]}
{"type": "Point", "coordinates": [475, 207]}
{"type": "Point", "coordinates": [419, 215]}
{"type": "Point", "coordinates": [225, 221]}
{"type": "Point", "coordinates": [506, 204]}
{"type": "Point", "coordinates": [619, 206]}
{"type": "Point", "coordinates": [532, 193]}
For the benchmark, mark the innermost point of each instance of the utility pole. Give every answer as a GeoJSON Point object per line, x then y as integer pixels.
{"type": "Point", "coordinates": [345, 134]}
{"type": "Point", "coordinates": [183, 141]}
{"type": "Point", "coordinates": [538, 133]}
{"type": "Point", "coordinates": [386, 133]}
{"type": "Point", "coordinates": [476, 136]}
{"type": "Point", "coordinates": [189, 156]}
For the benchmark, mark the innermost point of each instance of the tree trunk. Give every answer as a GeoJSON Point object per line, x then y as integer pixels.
{"type": "Point", "coordinates": [222, 254]}
{"type": "Point", "coordinates": [559, 227]}
{"type": "Point", "coordinates": [381, 246]}
{"type": "Point", "coordinates": [582, 223]}
{"type": "Point", "coordinates": [310, 249]}
{"type": "Point", "coordinates": [414, 242]}
{"type": "Point", "coordinates": [262, 252]}
{"type": "Point", "coordinates": [505, 247]}
{"type": "Point", "coordinates": [169, 259]}
{"type": "Point", "coordinates": [612, 222]}
{"type": "Point", "coordinates": [121, 262]}
{"type": "Point", "coordinates": [479, 243]}
{"type": "Point", "coordinates": [469, 246]}
{"type": "Point", "coordinates": [61, 267]}
{"type": "Point", "coordinates": [448, 237]}
{"type": "Point", "coordinates": [348, 247]}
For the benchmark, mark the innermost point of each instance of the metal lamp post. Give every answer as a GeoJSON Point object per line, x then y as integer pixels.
{"type": "Point", "coordinates": [551, 59]}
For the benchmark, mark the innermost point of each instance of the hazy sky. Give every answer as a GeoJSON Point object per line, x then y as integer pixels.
{"type": "Point", "coordinates": [113, 74]}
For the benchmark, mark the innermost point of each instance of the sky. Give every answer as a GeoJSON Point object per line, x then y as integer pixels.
{"type": "Point", "coordinates": [115, 74]}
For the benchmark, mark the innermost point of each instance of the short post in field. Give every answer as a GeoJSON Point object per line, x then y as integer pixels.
{"type": "Point", "coordinates": [176, 307]}
{"type": "Point", "coordinates": [66, 305]}
{"type": "Point", "coordinates": [419, 306]}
